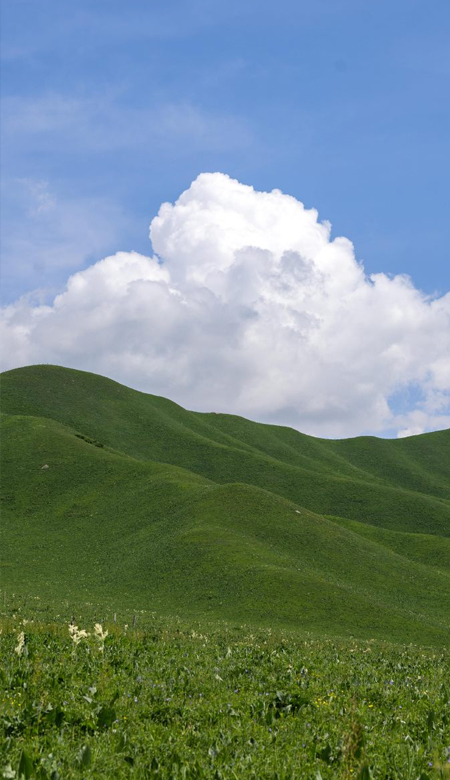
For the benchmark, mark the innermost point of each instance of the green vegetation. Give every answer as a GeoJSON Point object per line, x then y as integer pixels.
{"type": "Point", "coordinates": [113, 495]}
{"type": "Point", "coordinates": [173, 701]}
{"type": "Point", "coordinates": [251, 579]}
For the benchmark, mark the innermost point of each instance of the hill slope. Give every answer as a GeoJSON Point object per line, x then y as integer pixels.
{"type": "Point", "coordinates": [146, 503]}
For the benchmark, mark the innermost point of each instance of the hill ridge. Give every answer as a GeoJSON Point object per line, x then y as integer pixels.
{"type": "Point", "coordinates": [138, 503]}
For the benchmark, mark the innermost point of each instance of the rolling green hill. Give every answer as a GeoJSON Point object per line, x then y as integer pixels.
{"type": "Point", "coordinates": [148, 505]}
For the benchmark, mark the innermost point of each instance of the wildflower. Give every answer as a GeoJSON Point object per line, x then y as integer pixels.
{"type": "Point", "coordinates": [100, 635]}
{"type": "Point", "coordinates": [77, 634]}
{"type": "Point", "coordinates": [20, 644]}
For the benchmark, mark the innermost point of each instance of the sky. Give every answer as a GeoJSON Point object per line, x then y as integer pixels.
{"type": "Point", "coordinates": [291, 162]}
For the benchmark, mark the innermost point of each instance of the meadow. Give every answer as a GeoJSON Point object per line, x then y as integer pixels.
{"type": "Point", "coordinates": [173, 699]}
{"type": "Point", "coordinates": [170, 699]}
{"type": "Point", "coordinates": [189, 595]}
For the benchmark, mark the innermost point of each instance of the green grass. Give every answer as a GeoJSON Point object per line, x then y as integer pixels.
{"type": "Point", "coordinates": [145, 505]}
{"type": "Point", "coordinates": [176, 701]}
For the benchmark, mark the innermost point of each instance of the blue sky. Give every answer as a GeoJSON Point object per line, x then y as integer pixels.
{"type": "Point", "coordinates": [343, 104]}
{"type": "Point", "coordinates": [111, 109]}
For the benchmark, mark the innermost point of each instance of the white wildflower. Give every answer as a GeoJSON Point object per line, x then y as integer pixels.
{"type": "Point", "coordinates": [20, 644]}
{"type": "Point", "coordinates": [77, 634]}
{"type": "Point", "coordinates": [100, 635]}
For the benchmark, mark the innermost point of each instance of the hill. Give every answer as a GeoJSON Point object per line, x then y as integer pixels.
{"type": "Point", "coordinates": [146, 504]}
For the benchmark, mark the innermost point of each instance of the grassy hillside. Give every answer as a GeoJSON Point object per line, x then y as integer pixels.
{"type": "Point", "coordinates": [148, 505]}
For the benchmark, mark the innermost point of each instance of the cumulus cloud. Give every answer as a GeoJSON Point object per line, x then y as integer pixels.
{"type": "Point", "coordinates": [249, 306]}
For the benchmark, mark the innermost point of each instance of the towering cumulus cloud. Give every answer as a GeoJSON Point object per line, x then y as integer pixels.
{"type": "Point", "coordinates": [248, 307]}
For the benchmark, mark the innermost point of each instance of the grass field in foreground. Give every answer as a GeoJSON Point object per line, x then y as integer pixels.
{"type": "Point", "coordinates": [144, 505]}
{"type": "Point", "coordinates": [178, 700]}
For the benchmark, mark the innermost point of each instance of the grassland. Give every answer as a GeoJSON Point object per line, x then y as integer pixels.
{"type": "Point", "coordinates": [175, 700]}
{"type": "Point", "coordinates": [145, 505]}
{"type": "Point", "coordinates": [277, 606]}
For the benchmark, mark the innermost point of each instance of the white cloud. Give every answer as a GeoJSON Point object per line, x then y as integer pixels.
{"type": "Point", "coordinates": [417, 421]}
{"type": "Point", "coordinates": [250, 307]}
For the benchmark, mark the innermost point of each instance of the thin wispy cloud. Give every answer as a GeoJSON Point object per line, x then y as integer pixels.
{"type": "Point", "coordinates": [103, 123]}
{"type": "Point", "coordinates": [46, 235]}
{"type": "Point", "coordinates": [171, 20]}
